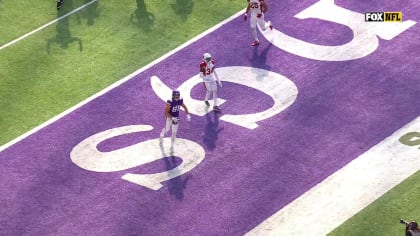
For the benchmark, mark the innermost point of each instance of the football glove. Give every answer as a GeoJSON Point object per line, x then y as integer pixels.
{"type": "Point", "coordinates": [174, 120]}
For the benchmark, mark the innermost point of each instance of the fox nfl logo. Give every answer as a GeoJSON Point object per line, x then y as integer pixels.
{"type": "Point", "coordinates": [383, 16]}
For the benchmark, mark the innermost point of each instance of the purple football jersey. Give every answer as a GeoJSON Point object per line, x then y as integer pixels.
{"type": "Point", "coordinates": [175, 106]}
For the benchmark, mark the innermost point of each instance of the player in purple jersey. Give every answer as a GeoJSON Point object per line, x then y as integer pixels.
{"type": "Point", "coordinates": [172, 116]}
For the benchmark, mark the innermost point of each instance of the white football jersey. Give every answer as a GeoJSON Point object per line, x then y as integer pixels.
{"type": "Point", "coordinates": [255, 6]}
{"type": "Point", "coordinates": [207, 71]}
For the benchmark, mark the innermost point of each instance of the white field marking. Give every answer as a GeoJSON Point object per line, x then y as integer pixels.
{"type": "Point", "coordinates": [87, 156]}
{"type": "Point", "coordinates": [347, 191]}
{"type": "Point", "coordinates": [281, 90]}
{"type": "Point", "coordinates": [119, 82]}
{"type": "Point", "coordinates": [365, 36]}
{"type": "Point", "coordinates": [46, 25]}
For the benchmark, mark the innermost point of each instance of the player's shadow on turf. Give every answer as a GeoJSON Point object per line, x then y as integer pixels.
{"type": "Point", "coordinates": [183, 8]}
{"type": "Point", "coordinates": [211, 130]}
{"type": "Point", "coordinates": [259, 60]}
{"type": "Point", "coordinates": [91, 12]}
{"type": "Point", "coordinates": [177, 185]}
{"type": "Point", "coordinates": [63, 36]}
{"type": "Point", "coordinates": [141, 17]}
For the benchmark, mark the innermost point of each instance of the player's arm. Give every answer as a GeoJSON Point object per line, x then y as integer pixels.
{"type": "Point", "coordinates": [264, 7]}
{"type": "Point", "coordinates": [202, 71]}
{"type": "Point", "coordinates": [167, 110]}
{"type": "Point", "coordinates": [185, 109]}
{"type": "Point", "coordinates": [248, 7]}
{"type": "Point", "coordinates": [186, 112]}
{"type": "Point", "coordinates": [247, 10]}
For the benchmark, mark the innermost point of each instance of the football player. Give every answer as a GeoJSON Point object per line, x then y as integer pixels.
{"type": "Point", "coordinates": [257, 8]}
{"type": "Point", "coordinates": [210, 77]}
{"type": "Point", "coordinates": [172, 116]}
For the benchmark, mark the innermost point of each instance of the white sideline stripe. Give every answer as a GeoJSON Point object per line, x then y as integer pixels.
{"type": "Point", "coordinates": [119, 82]}
{"type": "Point", "coordinates": [346, 192]}
{"type": "Point", "coordinates": [46, 25]}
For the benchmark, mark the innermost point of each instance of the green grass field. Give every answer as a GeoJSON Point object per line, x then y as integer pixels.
{"type": "Point", "coordinates": [381, 218]}
{"type": "Point", "coordinates": [63, 64]}
{"type": "Point", "coordinates": [56, 68]}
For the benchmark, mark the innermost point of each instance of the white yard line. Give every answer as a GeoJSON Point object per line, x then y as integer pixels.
{"type": "Point", "coordinates": [349, 190]}
{"type": "Point", "coordinates": [118, 83]}
{"type": "Point", "coordinates": [46, 25]}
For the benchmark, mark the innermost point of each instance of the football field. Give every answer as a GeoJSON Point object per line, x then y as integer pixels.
{"type": "Point", "coordinates": [320, 123]}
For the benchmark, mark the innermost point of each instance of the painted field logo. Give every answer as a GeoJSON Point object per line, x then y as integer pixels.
{"type": "Point", "coordinates": [411, 139]}
{"type": "Point", "coordinates": [383, 16]}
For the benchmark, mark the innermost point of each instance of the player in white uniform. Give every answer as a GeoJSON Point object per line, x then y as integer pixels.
{"type": "Point", "coordinates": [210, 77]}
{"type": "Point", "coordinates": [257, 8]}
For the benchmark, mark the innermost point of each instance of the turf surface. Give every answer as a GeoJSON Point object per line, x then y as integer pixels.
{"type": "Point", "coordinates": [61, 65]}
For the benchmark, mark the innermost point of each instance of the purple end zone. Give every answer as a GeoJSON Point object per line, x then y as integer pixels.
{"type": "Point", "coordinates": [342, 109]}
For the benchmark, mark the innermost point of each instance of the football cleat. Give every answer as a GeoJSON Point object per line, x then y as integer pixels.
{"type": "Point", "coordinates": [207, 103]}
{"type": "Point", "coordinates": [217, 109]}
{"type": "Point", "coordinates": [255, 43]}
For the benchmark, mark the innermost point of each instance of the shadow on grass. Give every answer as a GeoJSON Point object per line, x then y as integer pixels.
{"type": "Point", "coordinates": [183, 8]}
{"type": "Point", "coordinates": [141, 17]}
{"type": "Point", "coordinates": [91, 13]}
{"type": "Point", "coordinates": [63, 38]}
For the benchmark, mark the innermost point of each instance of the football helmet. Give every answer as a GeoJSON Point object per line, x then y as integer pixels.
{"type": "Point", "coordinates": [207, 57]}
{"type": "Point", "coordinates": [176, 93]}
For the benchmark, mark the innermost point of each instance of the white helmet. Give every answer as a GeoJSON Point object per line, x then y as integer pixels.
{"type": "Point", "coordinates": [207, 57]}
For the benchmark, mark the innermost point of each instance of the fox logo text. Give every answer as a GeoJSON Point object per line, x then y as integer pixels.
{"type": "Point", "coordinates": [383, 16]}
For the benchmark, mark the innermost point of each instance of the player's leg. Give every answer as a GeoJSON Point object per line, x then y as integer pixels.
{"type": "Point", "coordinates": [173, 136]}
{"type": "Point", "coordinates": [261, 22]}
{"type": "Point", "coordinates": [253, 24]}
{"type": "Point", "coordinates": [264, 25]}
{"type": "Point", "coordinates": [214, 90]}
{"type": "Point", "coordinates": [165, 129]}
{"type": "Point", "coordinates": [208, 92]}
{"type": "Point", "coordinates": [267, 25]}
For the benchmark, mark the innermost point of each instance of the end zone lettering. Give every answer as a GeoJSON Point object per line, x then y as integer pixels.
{"type": "Point", "coordinates": [411, 139]}
{"type": "Point", "coordinates": [383, 16]}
